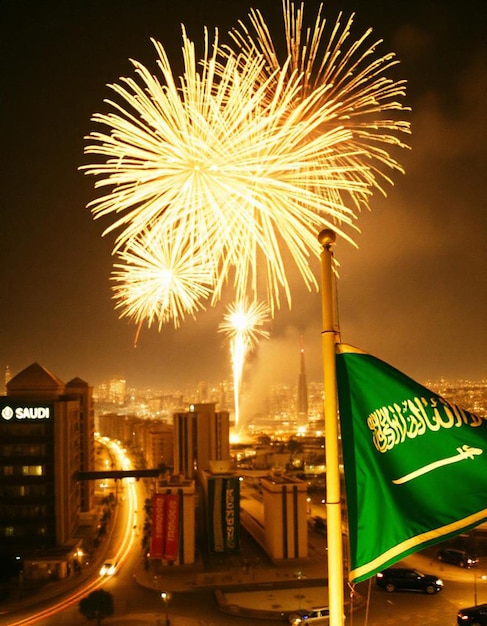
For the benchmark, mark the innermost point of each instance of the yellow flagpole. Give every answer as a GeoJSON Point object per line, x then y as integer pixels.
{"type": "Point", "coordinates": [333, 500]}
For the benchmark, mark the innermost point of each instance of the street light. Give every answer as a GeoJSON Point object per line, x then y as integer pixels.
{"type": "Point", "coordinates": [166, 596]}
{"type": "Point", "coordinates": [475, 586]}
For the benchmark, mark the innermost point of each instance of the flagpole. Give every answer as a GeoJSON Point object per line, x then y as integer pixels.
{"type": "Point", "coordinates": [333, 500]}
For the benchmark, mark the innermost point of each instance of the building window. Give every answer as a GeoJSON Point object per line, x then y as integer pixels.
{"type": "Point", "coordinates": [32, 470]}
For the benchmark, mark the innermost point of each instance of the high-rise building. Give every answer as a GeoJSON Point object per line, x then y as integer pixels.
{"type": "Point", "coordinates": [6, 379]}
{"type": "Point", "coordinates": [113, 390]}
{"type": "Point", "coordinates": [302, 396]}
{"type": "Point", "coordinates": [46, 437]}
{"type": "Point", "coordinates": [201, 435]}
{"type": "Point", "coordinates": [81, 390]}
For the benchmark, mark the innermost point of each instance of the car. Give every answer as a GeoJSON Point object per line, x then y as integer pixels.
{"type": "Point", "coordinates": [462, 558]}
{"type": "Point", "coordinates": [474, 615]}
{"type": "Point", "coordinates": [403, 579]}
{"type": "Point", "coordinates": [315, 616]}
{"type": "Point", "coordinates": [108, 568]}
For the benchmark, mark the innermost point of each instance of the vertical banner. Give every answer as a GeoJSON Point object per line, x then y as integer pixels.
{"type": "Point", "coordinates": [158, 525]}
{"type": "Point", "coordinates": [224, 513]}
{"type": "Point", "coordinates": [231, 513]}
{"type": "Point", "coordinates": [216, 523]}
{"type": "Point", "coordinates": [171, 544]}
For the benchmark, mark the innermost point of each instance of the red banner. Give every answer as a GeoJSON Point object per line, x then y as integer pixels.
{"type": "Point", "coordinates": [171, 548]}
{"type": "Point", "coordinates": [158, 525]}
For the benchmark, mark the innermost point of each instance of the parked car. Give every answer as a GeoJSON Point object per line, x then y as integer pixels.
{"type": "Point", "coordinates": [474, 615]}
{"type": "Point", "coordinates": [461, 558]}
{"type": "Point", "coordinates": [317, 616]}
{"type": "Point", "coordinates": [399, 578]}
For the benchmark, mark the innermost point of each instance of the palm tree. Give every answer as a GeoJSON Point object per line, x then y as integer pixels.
{"type": "Point", "coordinates": [97, 605]}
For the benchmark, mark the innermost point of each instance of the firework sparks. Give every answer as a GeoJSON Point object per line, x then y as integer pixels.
{"type": "Point", "coordinates": [247, 156]}
{"type": "Point", "coordinates": [243, 324]}
{"type": "Point", "coordinates": [160, 279]}
{"type": "Point", "coordinates": [356, 83]}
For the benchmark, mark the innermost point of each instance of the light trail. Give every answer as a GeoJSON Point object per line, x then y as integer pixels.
{"type": "Point", "coordinates": [126, 544]}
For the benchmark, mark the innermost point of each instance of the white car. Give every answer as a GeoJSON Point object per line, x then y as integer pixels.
{"type": "Point", "coordinates": [108, 568]}
{"type": "Point", "coordinates": [317, 616]}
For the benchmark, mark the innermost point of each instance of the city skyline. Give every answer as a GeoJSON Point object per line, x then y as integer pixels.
{"type": "Point", "coordinates": [413, 293]}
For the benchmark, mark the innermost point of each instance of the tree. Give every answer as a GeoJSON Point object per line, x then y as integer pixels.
{"type": "Point", "coordinates": [97, 605]}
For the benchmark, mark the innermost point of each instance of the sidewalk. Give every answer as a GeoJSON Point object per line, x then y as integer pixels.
{"type": "Point", "coordinates": [269, 591]}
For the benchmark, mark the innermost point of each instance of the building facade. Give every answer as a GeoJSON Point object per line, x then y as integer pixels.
{"type": "Point", "coordinates": [201, 435]}
{"type": "Point", "coordinates": [46, 437]}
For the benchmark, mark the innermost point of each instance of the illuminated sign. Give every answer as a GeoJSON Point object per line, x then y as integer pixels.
{"type": "Point", "coordinates": [9, 412]}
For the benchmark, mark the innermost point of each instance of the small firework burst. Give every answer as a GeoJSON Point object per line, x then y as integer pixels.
{"type": "Point", "coordinates": [159, 278]}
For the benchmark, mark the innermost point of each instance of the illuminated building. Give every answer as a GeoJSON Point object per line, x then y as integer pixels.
{"type": "Point", "coordinates": [202, 391]}
{"type": "Point", "coordinates": [201, 435]}
{"type": "Point", "coordinates": [158, 443]}
{"type": "Point", "coordinates": [114, 390]}
{"type": "Point", "coordinates": [46, 437]}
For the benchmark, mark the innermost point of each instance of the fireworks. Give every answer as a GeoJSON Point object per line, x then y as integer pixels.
{"type": "Point", "coordinates": [356, 87]}
{"type": "Point", "coordinates": [245, 157]}
{"type": "Point", "coordinates": [159, 279]}
{"type": "Point", "coordinates": [243, 323]}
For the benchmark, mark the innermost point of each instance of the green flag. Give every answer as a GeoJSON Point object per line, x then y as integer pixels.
{"type": "Point", "coordinates": [415, 464]}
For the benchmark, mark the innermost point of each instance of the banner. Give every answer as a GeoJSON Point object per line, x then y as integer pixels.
{"type": "Point", "coordinates": [158, 525]}
{"type": "Point", "coordinates": [415, 464]}
{"type": "Point", "coordinates": [171, 547]}
{"type": "Point", "coordinates": [223, 513]}
{"type": "Point", "coordinates": [232, 517]}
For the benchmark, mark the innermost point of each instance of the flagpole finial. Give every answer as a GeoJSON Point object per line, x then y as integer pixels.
{"type": "Point", "coordinates": [327, 237]}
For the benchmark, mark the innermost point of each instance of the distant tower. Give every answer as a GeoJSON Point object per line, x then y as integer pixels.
{"type": "Point", "coordinates": [6, 379]}
{"type": "Point", "coordinates": [202, 392]}
{"type": "Point", "coordinates": [302, 399]}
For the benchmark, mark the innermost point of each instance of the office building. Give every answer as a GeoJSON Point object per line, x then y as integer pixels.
{"type": "Point", "coordinates": [201, 435]}
{"type": "Point", "coordinates": [46, 437]}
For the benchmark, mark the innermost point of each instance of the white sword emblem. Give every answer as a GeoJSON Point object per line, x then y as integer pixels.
{"type": "Point", "coordinates": [464, 452]}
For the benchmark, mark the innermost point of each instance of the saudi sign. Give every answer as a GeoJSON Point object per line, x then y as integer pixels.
{"type": "Point", "coordinates": [415, 464]}
{"type": "Point", "coordinates": [13, 411]}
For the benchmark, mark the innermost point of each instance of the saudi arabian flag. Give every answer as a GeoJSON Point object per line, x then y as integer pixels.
{"type": "Point", "coordinates": [415, 464]}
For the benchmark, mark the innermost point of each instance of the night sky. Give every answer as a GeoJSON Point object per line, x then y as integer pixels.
{"type": "Point", "coordinates": [413, 293]}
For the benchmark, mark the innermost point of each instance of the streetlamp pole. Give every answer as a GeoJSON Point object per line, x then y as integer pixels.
{"type": "Point", "coordinates": [475, 586]}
